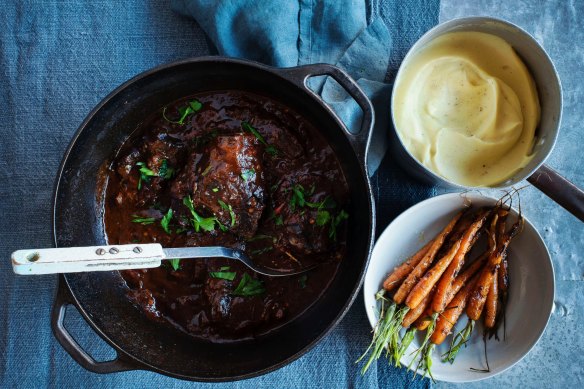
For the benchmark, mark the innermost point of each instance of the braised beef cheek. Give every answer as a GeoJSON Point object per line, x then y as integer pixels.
{"type": "Point", "coordinates": [235, 169]}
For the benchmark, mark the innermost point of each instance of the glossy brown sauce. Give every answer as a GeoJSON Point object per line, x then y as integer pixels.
{"type": "Point", "coordinates": [249, 184]}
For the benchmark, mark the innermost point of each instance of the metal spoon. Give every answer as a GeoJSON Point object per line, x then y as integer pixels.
{"type": "Point", "coordinates": [124, 257]}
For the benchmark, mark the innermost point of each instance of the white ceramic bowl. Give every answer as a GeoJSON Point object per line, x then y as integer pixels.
{"type": "Point", "coordinates": [531, 293]}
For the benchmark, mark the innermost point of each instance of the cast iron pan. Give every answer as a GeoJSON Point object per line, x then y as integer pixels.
{"type": "Point", "coordinates": [100, 297]}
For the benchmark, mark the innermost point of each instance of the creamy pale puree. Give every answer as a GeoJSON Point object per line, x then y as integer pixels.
{"type": "Point", "coordinates": [466, 107]}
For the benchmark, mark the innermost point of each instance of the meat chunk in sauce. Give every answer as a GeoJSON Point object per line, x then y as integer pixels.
{"type": "Point", "coordinates": [226, 180]}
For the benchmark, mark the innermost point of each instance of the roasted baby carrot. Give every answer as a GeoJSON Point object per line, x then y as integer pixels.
{"type": "Point", "coordinates": [400, 273]}
{"type": "Point", "coordinates": [448, 318]}
{"type": "Point", "coordinates": [460, 281]}
{"type": "Point", "coordinates": [415, 313]}
{"type": "Point", "coordinates": [491, 305]}
{"type": "Point", "coordinates": [426, 261]}
{"type": "Point", "coordinates": [427, 282]}
{"type": "Point", "coordinates": [479, 294]}
{"type": "Point", "coordinates": [448, 267]}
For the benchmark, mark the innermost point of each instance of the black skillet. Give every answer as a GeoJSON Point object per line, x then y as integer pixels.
{"type": "Point", "coordinates": [100, 297]}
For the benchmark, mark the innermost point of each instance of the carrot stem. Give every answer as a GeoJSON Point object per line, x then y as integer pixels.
{"type": "Point", "coordinates": [459, 340]}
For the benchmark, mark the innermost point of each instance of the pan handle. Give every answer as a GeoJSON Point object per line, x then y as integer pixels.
{"type": "Point", "coordinates": [63, 299]}
{"type": "Point", "coordinates": [360, 141]}
{"type": "Point", "coordinates": [559, 189]}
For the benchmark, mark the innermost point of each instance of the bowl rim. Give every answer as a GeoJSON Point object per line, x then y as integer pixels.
{"type": "Point", "coordinates": [472, 195]}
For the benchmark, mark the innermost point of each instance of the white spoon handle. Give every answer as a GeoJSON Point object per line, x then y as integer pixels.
{"type": "Point", "coordinates": [91, 258]}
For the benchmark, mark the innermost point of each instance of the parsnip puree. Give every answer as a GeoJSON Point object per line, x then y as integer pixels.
{"type": "Point", "coordinates": [466, 107]}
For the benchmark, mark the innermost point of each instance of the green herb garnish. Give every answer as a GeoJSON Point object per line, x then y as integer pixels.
{"type": "Point", "coordinates": [175, 263]}
{"type": "Point", "coordinates": [199, 222]}
{"type": "Point", "coordinates": [228, 208]}
{"type": "Point", "coordinates": [145, 171]}
{"type": "Point", "coordinates": [224, 268]}
{"type": "Point", "coordinates": [335, 223]}
{"type": "Point", "coordinates": [326, 203]}
{"type": "Point", "coordinates": [143, 220]}
{"type": "Point", "coordinates": [278, 220]}
{"type": "Point", "coordinates": [249, 286]}
{"type": "Point", "coordinates": [223, 275]}
{"type": "Point", "coordinates": [322, 217]}
{"type": "Point", "coordinates": [222, 227]}
{"type": "Point", "coordinates": [192, 107]}
{"type": "Point", "coordinates": [165, 171]}
{"type": "Point", "coordinates": [247, 174]}
{"type": "Point", "coordinates": [297, 199]}
{"type": "Point", "coordinates": [215, 190]}
{"type": "Point", "coordinates": [166, 221]}
{"type": "Point", "coordinates": [269, 148]}
{"type": "Point", "coordinates": [145, 174]}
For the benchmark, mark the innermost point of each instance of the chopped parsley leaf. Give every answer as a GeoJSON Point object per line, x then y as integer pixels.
{"type": "Point", "coordinates": [335, 221]}
{"type": "Point", "coordinates": [146, 173]}
{"type": "Point", "coordinates": [143, 220]}
{"type": "Point", "coordinates": [199, 222]}
{"type": "Point", "coordinates": [326, 203]}
{"type": "Point", "coordinates": [322, 217]}
{"type": "Point", "coordinates": [166, 221]}
{"type": "Point", "coordinates": [230, 209]}
{"type": "Point", "coordinates": [278, 220]}
{"type": "Point", "coordinates": [247, 174]}
{"type": "Point", "coordinates": [249, 286]}
{"type": "Point", "coordinates": [223, 275]}
{"type": "Point", "coordinates": [215, 190]}
{"type": "Point", "coordinates": [192, 107]}
{"type": "Point", "coordinates": [175, 263]}
{"type": "Point", "coordinates": [165, 171]}
{"type": "Point", "coordinates": [297, 199]}
{"type": "Point", "coordinates": [269, 148]}
{"type": "Point", "coordinates": [221, 226]}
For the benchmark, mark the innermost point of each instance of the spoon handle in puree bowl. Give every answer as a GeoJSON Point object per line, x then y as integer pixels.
{"type": "Point", "coordinates": [559, 189]}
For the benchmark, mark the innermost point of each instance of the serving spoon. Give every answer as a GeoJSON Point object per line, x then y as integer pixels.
{"type": "Point", "coordinates": [125, 257]}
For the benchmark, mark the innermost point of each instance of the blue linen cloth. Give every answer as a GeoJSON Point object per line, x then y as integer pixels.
{"type": "Point", "coordinates": [59, 59]}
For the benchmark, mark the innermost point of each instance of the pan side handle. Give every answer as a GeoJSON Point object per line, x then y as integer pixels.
{"type": "Point", "coordinates": [361, 140]}
{"type": "Point", "coordinates": [62, 300]}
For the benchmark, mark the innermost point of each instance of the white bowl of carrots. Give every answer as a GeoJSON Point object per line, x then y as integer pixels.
{"type": "Point", "coordinates": [475, 295]}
